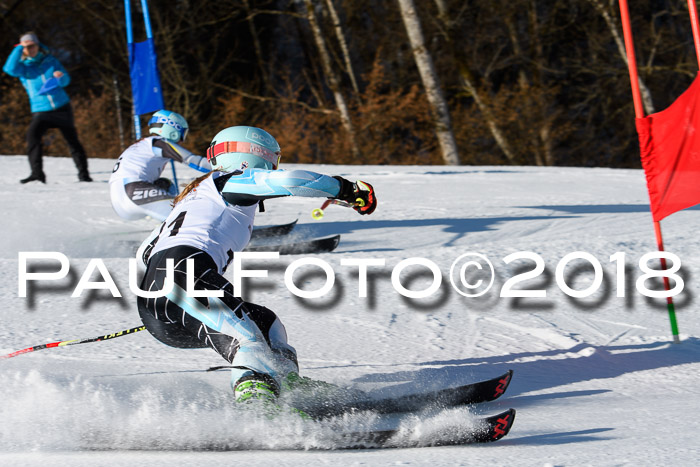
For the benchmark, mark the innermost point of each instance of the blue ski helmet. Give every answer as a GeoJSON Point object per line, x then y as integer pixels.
{"type": "Point", "coordinates": [168, 124]}
{"type": "Point", "coordinates": [243, 147]}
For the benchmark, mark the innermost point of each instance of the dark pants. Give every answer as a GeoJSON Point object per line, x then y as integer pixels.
{"type": "Point", "coordinates": [168, 322]}
{"type": "Point", "coordinates": [61, 118]}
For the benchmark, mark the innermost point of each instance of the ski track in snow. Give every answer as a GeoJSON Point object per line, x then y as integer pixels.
{"type": "Point", "coordinates": [595, 378]}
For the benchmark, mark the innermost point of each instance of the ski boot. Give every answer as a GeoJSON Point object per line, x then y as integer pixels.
{"type": "Point", "coordinates": [261, 392]}
{"type": "Point", "coordinates": [256, 388]}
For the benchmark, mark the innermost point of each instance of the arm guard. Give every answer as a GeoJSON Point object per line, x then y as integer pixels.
{"type": "Point", "coordinates": [179, 154]}
{"type": "Point", "coordinates": [253, 185]}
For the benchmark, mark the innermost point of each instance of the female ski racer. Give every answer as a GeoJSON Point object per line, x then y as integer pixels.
{"type": "Point", "coordinates": [211, 220]}
{"type": "Point", "coordinates": [135, 186]}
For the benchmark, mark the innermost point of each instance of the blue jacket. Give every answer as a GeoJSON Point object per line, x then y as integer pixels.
{"type": "Point", "coordinates": [33, 73]}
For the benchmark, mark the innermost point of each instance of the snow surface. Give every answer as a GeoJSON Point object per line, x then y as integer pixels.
{"type": "Point", "coordinates": [597, 381]}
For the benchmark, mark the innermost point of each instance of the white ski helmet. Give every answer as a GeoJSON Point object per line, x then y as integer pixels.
{"type": "Point", "coordinates": [243, 147]}
{"type": "Point", "coordinates": [168, 124]}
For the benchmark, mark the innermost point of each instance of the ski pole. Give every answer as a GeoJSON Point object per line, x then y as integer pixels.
{"type": "Point", "coordinates": [172, 165]}
{"type": "Point", "coordinates": [74, 342]}
{"type": "Point", "coordinates": [318, 213]}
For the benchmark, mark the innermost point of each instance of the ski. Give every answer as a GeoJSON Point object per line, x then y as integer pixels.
{"type": "Point", "coordinates": [473, 393]}
{"type": "Point", "coordinates": [480, 430]}
{"type": "Point", "coordinates": [338, 401]}
{"type": "Point", "coordinates": [487, 430]}
{"type": "Point", "coordinates": [272, 231]}
{"type": "Point", "coordinates": [319, 245]}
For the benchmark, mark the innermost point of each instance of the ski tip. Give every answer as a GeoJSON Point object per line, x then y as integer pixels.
{"type": "Point", "coordinates": [335, 241]}
{"type": "Point", "coordinates": [502, 384]}
{"type": "Point", "coordinates": [499, 425]}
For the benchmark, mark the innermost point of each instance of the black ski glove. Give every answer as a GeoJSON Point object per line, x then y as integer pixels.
{"type": "Point", "coordinates": [359, 194]}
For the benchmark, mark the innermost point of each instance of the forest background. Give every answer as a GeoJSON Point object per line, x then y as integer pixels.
{"type": "Point", "coordinates": [527, 82]}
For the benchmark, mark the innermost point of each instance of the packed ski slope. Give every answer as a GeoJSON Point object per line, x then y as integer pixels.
{"type": "Point", "coordinates": [597, 381]}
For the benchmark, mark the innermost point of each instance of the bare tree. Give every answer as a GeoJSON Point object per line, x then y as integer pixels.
{"type": "Point", "coordinates": [468, 83]}
{"type": "Point", "coordinates": [485, 109]}
{"type": "Point", "coordinates": [343, 45]}
{"type": "Point", "coordinates": [531, 82]}
{"type": "Point", "coordinates": [426, 68]}
{"type": "Point", "coordinates": [333, 82]}
{"type": "Point", "coordinates": [250, 17]}
{"type": "Point", "coordinates": [620, 44]}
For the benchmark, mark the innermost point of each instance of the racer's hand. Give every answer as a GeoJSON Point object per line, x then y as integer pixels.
{"type": "Point", "coordinates": [360, 194]}
{"type": "Point", "coordinates": [365, 199]}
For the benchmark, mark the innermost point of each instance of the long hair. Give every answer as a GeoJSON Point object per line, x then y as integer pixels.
{"type": "Point", "coordinates": [191, 186]}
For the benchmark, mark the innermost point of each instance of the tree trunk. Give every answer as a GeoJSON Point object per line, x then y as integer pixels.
{"type": "Point", "coordinates": [424, 62]}
{"type": "Point", "coordinates": [442, 12]}
{"type": "Point", "coordinates": [468, 83]}
{"type": "Point", "coordinates": [118, 106]}
{"type": "Point", "coordinates": [531, 83]}
{"type": "Point", "coordinates": [333, 82]}
{"type": "Point", "coordinates": [545, 154]}
{"type": "Point", "coordinates": [343, 46]}
{"type": "Point", "coordinates": [620, 43]}
{"type": "Point", "coordinates": [250, 17]}
{"type": "Point", "coordinates": [485, 110]}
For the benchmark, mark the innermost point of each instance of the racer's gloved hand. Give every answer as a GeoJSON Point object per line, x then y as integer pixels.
{"type": "Point", "coordinates": [360, 194]}
{"type": "Point", "coordinates": [163, 183]}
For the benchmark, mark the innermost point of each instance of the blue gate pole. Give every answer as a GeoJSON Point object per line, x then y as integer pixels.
{"type": "Point", "coordinates": [129, 41]}
{"type": "Point", "coordinates": [149, 35]}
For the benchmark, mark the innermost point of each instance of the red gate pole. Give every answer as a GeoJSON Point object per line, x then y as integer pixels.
{"type": "Point", "coordinates": [693, 11]}
{"type": "Point", "coordinates": [631, 59]}
{"type": "Point", "coordinates": [639, 113]}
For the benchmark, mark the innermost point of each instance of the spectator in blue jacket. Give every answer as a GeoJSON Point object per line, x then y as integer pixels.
{"type": "Point", "coordinates": [44, 78]}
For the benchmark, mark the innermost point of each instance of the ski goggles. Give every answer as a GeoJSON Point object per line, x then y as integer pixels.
{"type": "Point", "coordinates": [159, 121]}
{"type": "Point", "coordinates": [246, 148]}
